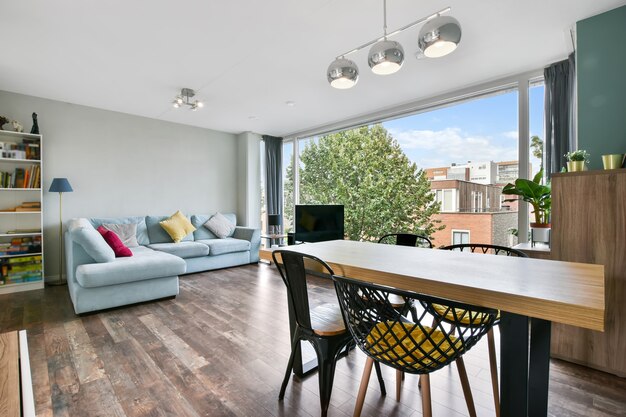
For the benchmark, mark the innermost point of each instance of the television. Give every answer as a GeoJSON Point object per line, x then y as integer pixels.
{"type": "Point", "coordinates": [317, 223]}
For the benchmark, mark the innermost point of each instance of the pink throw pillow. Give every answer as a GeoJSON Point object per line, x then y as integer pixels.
{"type": "Point", "coordinates": [115, 243]}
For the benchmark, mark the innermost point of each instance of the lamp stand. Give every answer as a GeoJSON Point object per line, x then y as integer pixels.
{"type": "Point", "coordinates": [60, 281]}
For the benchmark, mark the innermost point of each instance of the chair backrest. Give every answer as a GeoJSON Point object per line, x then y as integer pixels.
{"type": "Point", "coordinates": [293, 271]}
{"type": "Point", "coordinates": [406, 239]}
{"type": "Point", "coordinates": [382, 333]}
{"type": "Point", "coordinates": [485, 248]}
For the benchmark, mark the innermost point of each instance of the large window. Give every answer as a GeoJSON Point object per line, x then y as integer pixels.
{"type": "Point", "coordinates": [458, 156]}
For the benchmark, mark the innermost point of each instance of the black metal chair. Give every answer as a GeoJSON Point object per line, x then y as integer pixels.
{"type": "Point", "coordinates": [322, 326]}
{"type": "Point", "coordinates": [493, 363]}
{"type": "Point", "coordinates": [386, 336]}
{"type": "Point", "coordinates": [405, 239]}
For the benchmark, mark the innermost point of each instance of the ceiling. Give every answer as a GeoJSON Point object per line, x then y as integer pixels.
{"type": "Point", "coordinates": [246, 59]}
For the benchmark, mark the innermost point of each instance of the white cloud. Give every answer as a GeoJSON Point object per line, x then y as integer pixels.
{"type": "Point", "coordinates": [512, 134]}
{"type": "Point", "coordinates": [432, 148]}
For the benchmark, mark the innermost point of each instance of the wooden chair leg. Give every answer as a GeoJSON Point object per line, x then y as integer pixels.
{"type": "Point", "coordinates": [493, 364]}
{"type": "Point", "coordinates": [469, 399]}
{"type": "Point", "coordinates": [399, 377]}
{"type": "Point", "coordinates": [365, 379]}
{"type": "Point", "coordinates": [427, 409]}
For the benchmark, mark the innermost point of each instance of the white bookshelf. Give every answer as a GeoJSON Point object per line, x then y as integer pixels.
{"type": "Point", "coordinates": [12, 223]}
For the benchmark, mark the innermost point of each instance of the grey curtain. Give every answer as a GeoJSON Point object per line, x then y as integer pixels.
{"type": "Point", "coordinates": [560, 84]}
{"type": "Point", "coordinates": [273, 174]}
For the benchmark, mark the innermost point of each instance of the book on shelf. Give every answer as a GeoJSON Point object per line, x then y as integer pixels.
{"type": "Point", "coordinates": [31, 204]}
{"type": "Point", "coordinates": [18, 178]}
{"type": "Point", "coordinates": [21, 209]}
{"type": "Point", "coordinates": [33, 258]}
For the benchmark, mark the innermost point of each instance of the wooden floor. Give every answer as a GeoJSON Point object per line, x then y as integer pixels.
{"type": "Point", "coordinates": [220, 349]}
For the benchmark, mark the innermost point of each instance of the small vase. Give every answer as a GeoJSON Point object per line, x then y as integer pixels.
{"type": "Point", "coordinates": [575, 166]}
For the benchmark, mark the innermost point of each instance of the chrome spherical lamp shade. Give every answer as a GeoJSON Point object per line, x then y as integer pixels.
{"type": "Point", "coordinates": [440, 36]}
{"type": "Point", "coordinates": [342, 73]}
{"type": "Point", "coordinates": [385, 57]}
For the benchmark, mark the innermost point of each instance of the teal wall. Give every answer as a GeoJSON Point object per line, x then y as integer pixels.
{"type": "Point", "coordinates": [601, 66]}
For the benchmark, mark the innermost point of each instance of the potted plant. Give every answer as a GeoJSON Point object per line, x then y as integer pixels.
{"type": "Point", "coordinates": [539, 197]}
{"type": "Point", "coordinates": [576, 160]}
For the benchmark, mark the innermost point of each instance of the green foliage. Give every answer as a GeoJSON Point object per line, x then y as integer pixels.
{"type": "Point", "coordinates": [365, 170]}
{"type": "Point", "coordinates": [534, 193]}
{"type": "Point", "coordinates": [536, 144]}
{"type": "Point", "coordinates": [580, 155]}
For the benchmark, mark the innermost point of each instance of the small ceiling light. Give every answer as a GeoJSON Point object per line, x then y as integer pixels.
{"type": "Point", "coordinates": [440, 36]}
{"type": "Point", "coordinates": [185, 98]}
{"type": "Point", "coordinates": [290, 103]}
{"type": "Point", "coordinates": [386, 57]}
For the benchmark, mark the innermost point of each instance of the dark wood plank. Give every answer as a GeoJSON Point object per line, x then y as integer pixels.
{"type": "Point", "coordinates": [220, 349]}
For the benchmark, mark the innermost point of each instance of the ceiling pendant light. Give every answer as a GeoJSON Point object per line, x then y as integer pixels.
{"type": "Point", "coordinates": [342, 73]}
{"type": "Point", "coordinates": [440, 36]}
{"type": "Point", "coordinates": [385, 57]}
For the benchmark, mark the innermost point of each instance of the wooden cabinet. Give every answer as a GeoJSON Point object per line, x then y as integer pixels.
{"type": "Point", "coordinates": [21, 220]}
{"type": "Point", "coordinates": [589, 225]}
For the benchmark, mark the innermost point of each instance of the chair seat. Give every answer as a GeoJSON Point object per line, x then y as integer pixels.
{"type": "Point", "coordinates": [396, 301]}
{"type": "Point", "coordinates": [326, 320]}
{"type": "Point", "coordinates": [390, 341]}
{"type": "Point", "coordinates": [462, 316]}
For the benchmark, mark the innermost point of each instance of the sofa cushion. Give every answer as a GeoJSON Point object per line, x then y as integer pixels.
{"type": "Point", "coordinates": [227, 245]}
{"type": "Point", "coordinates": [177, 226]}
{"type": "Point", "coordinates": [144, 265]}
{"type": "Point", "coordinates": [201, 232]}
{"type": "Point", "coordinates": [156, 232]}
{"type": "Point", "coordinates": [90, 240]}
{"type": "Point", "coordinates": [140, 221]}
{"type": "Point", "coordinates": [114, 241]}
{"type": "Point", "coordinates": [126, 232]}
{"type": "Point", "coordinates": [220, 226]}
{"type": "Point", "coordinates": [182, 249]}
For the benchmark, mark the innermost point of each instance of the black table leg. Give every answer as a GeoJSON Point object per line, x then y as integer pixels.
{"type": "Point", "coordinates": [514, 365]}
{"type": "Point", "coordinates": [539, 371]}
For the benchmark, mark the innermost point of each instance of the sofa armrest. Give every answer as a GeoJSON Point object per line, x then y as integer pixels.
{"type": "Point", "coordinates": [253, 236]}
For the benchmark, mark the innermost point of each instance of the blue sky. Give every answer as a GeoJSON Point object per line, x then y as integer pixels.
{"type": "Point", "coordinates": [478, 130]}
{"type": "Point", "coordinates": [483, 129]}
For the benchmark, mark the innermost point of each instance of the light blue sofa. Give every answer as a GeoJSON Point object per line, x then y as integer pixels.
{"type": "Point", "coordinates": [97, 280]}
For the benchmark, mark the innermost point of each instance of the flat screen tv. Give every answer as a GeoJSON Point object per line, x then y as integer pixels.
{"type": "Point", "coordinates": [317, 223]}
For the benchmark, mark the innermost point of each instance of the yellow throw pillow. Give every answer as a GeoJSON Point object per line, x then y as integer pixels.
{"type": "Point", "coordinates": [177, 226]}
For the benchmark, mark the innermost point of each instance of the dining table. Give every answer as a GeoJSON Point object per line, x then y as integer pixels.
{"type": "Point", "coordinates": [530, 294]}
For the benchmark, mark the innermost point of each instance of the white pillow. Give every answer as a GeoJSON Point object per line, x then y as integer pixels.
{"type": "Point", "coordinates": [220, 226]}
{"type": "Point", "coordinates": [126, 232]}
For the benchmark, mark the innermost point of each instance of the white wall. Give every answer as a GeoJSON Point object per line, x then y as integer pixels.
{"type": "Point", "coordinates": [123, 165]}
{"type": "Point", "coordinates": [249, 179]}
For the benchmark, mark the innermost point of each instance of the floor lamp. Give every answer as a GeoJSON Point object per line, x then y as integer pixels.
{"type": "Point", "coordinates": [60, 185]}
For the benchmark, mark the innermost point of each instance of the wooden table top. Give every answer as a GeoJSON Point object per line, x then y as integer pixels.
{"type": "Point", "coordinates": [562, 292]}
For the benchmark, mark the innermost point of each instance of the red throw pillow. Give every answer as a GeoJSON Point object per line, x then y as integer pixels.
{"type": "Point", "coordinates": [115, 243]}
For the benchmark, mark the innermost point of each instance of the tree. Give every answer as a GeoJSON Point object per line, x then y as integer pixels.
{"type": "Point", "coordinates": [536, 144]}
{"type": "Point", "coordinates": [365, 170]}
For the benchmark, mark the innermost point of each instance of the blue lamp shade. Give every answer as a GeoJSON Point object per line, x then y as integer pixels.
{"type": "Point", "coordinates": [60, 185]}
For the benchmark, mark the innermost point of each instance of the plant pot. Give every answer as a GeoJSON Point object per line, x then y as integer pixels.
{"type": "Point", "coordinates": [613, 161]}
{"type": "Point", "coordinates": [575, 166]}
{"type": "Point", "coordinates": [540, 232]}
